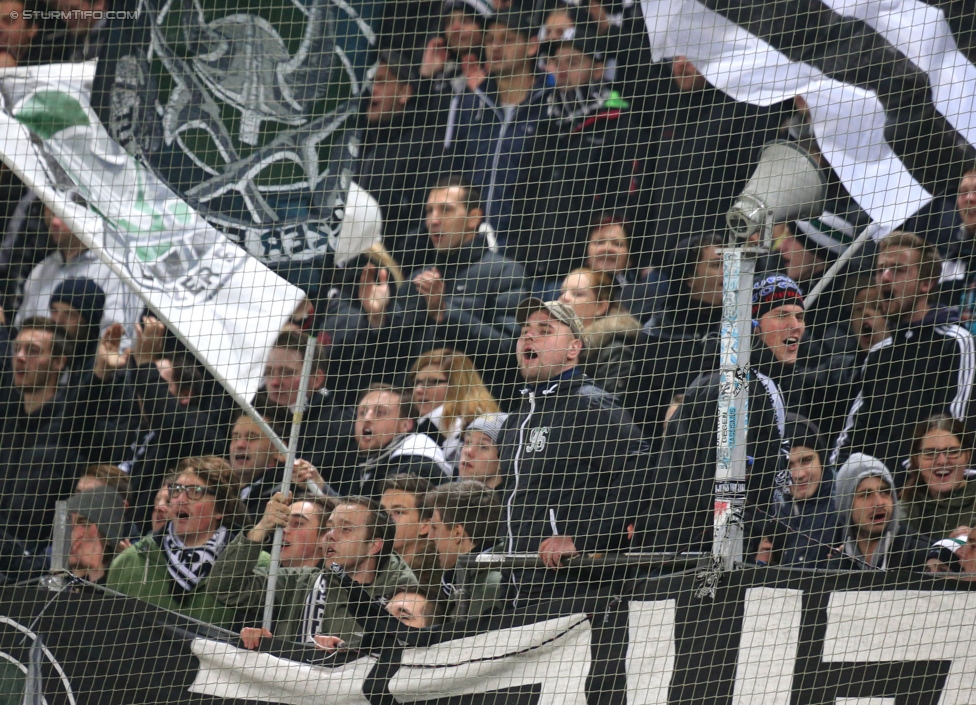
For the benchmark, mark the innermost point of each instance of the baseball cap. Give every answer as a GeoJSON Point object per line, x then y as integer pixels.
{"type": "Point", "coordinates": [557, 309]}
{"type": "Point", "coordinates": [523, 20]}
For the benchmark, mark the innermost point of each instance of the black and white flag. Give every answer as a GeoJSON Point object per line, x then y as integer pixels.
{"type": "Point", "coordinates": [891, 97]}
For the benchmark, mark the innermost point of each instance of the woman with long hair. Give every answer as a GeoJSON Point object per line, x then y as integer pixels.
{"type": "Point", "coordinates": [938, 494]}
{"type": "Point", "coordinates": [167, 568]}
{"type": "Point", "coordinates": [447, 394]}
{"type": "Point", "coordinates": [609, 331]}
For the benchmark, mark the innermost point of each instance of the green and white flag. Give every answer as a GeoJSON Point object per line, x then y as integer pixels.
{"type": "Point", "coordinates": [223, 304]}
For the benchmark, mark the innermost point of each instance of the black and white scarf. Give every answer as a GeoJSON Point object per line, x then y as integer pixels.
{"type": "Point", "coordinates": [188, 565]}
{"type": "Point", "coordinates": [311, 623]}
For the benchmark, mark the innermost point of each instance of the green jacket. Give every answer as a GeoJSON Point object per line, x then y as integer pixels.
{"type": "Point", "coordinates": [140, 572]}
{"type": "Point", "coordinates": [240, 576]}
{"type": "Point", "coordinates": [937, 518]}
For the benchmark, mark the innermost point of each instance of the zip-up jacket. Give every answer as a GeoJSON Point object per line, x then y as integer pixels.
{"type": "Point", "coordinates": [488, 141]}
{"type": "Point", "coordinates": [567, 454]}
{"type": "Point", "coordinates": [921, 369]}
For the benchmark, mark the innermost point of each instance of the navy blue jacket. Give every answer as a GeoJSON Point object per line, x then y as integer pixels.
{"type": "Point", "coordinates": [488, 141]}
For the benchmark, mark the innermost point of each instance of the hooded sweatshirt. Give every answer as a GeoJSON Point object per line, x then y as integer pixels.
{"type": "Point", "coordinates": [809, 525]}
{"type": "Point", "coordinates": [899, 549]}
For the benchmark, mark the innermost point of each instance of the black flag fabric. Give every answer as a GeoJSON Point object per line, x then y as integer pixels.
{"type": "Point", "coordinates": [766, 635]}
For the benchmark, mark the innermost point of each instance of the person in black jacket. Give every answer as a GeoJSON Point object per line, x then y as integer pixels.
{"type": "Point", "coordinates": [402, 134]}
{"type": "Point", "coordinates": [37, 466]}
{"type": "Point", "coordinates": [680, 339]}
{"type": "Point", "coordinates": [324, 424]}
{"type": "Point", "coordinates": [158, 400]}
{"type": "Point", "coordinates": [567, 446]}
{"type": "Point", "coordinates": [588, 155]}
{"type": "Point", "coordinates": [805, 521]}
{"type": "Point", "coordinates": [681, 503]}
{"type": "Point", "coordinates": [467, 291]}
{"type": "Point", "coordinates": [923, 368]}
{"type": "Point", "coordinates": [706, 147]}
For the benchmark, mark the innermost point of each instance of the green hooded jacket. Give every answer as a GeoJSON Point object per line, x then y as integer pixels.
{"type": "Point", "coordinates": [937, 518]}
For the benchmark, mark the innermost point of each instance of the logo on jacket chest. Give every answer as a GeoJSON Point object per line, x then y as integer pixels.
{"type": "Point", "coordinates": [537, 440]}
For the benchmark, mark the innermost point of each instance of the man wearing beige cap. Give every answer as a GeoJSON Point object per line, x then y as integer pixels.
{"type": "Point", "coordinates": [563, 452]}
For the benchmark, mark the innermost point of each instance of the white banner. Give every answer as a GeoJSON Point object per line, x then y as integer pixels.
{"type": "Point", "coordinates": [223, 304]}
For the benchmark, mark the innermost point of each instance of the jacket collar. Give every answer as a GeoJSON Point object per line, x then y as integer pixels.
{"type": "Point", "coordinates": [554, 385]}
{"type": "Point", "coordinates": [467, 254]}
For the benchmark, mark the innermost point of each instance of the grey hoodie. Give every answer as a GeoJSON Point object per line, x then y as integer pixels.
{"type": "Point", "coordinates": [858, 467]}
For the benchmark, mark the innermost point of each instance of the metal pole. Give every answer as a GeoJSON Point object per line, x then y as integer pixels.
{"type": "Point", "coordinates": [296, 426]}
{"type": "Point", "coordinates": [739, 266]}
{"type": "Point", "coordinates": [846, 256]}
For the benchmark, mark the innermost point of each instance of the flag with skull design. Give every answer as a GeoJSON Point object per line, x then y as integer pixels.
{"type": "Point", "coordinates": [247, 110]}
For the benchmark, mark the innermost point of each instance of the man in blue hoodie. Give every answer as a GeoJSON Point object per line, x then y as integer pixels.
{"type": "Point", "coordinates": [870, 536]}
{"type": "Point", "coordinates": [805, 520]}
{"type": "Point", "coordinates": [490, 127]}
{"type": "Point", "coordinates": [926, 366]}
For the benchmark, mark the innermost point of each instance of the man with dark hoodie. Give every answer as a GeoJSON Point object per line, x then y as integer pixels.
{"type": "Point", "coordinates": [490, 127]}
{"type": "Point", "coordinates": [573, 460]}
{"type": "Point", "coordinates": [805, 521]}
{"type": "Point", "coordinates": [587, 155]}
{"type": "Point", "coordinates": [681, 504]}
{"type": "Point", "coordinates": [870, 534]}
{"type": "Point", "coordinates": [924, 367]}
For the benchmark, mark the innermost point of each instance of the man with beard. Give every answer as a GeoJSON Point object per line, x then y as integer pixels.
{"type": "Point", "coordinates": [681, 503]}
{"type": "Point", "coordinates": [870, 534]}
{"type": "Point", "coordinates": [926, 365]}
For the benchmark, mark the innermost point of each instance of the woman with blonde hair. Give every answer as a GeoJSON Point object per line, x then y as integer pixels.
{"type": "Point", "coordinates": [447, 394]}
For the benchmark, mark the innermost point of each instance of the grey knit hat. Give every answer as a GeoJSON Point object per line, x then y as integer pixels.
{"type": "Point", "coordinates": [488, 424]}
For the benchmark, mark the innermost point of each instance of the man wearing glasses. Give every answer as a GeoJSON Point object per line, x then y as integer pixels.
{"type": "Point", "coordinates": [926, 365]}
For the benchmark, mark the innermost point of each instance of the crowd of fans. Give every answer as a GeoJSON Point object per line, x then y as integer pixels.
{"type": "Point", "coordinates": [526, 363]}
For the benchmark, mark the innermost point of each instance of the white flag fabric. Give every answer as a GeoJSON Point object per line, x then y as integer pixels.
{"type": "Point", "coordinates": [223, 304]}
{"type": "Point", "coordinates": [847, 120]}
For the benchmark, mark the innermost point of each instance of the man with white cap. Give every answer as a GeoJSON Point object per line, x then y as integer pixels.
{"type": "Point", "coordinates": [565, 452]}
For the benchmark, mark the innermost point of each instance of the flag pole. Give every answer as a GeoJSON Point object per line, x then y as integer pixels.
{"type": "Point", "coordinates": [296, 426]}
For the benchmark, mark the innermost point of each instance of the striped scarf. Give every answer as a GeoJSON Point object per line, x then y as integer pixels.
{"type": "Point", "coordinates": [187, 565]}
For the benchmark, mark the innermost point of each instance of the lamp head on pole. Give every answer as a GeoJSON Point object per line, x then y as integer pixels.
{"type": "Point", "coordinates": [787, 184]}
